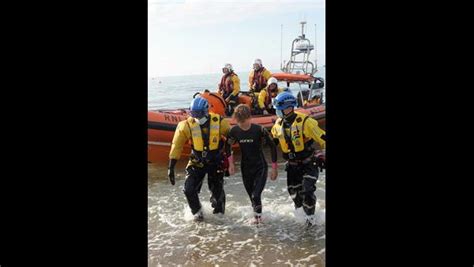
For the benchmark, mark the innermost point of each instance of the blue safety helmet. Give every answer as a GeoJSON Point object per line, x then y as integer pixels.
{"type": "Point", "coordinates": [199, 107]}
{"type": "Point", "coordinates": [284, 100]}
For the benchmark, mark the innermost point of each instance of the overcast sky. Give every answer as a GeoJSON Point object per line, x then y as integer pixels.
{"type": "Point", "coordinates": [197, 37]}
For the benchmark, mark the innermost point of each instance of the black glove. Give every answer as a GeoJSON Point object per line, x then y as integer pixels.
{"type": "Point", "coordinates": [171, 171]}
{"type": "Point", "coordinates": [321, 160]}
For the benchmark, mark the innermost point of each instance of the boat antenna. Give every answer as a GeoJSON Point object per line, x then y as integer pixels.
{"type": "Point", "coordinates": [281, 46]}
{"type": "Point", "coordinates": [315, 50]}
{"type": "Point", "coordinates": [302, 28]}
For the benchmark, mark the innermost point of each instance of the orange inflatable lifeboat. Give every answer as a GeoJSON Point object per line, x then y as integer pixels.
{"type": "Point", "coordinates": [162, 124]}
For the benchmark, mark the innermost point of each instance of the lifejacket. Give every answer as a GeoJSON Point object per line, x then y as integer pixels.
{"type": "Point", "coordinates": [258, 80]}
{"type": "Point", "coordinates": [297, 138]}
{"type": "Point", "coordinates": [227, 86]}
{"type": "Point", "coordinates": [209, 144]}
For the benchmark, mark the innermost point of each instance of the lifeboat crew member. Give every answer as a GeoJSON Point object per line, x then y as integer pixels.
{"type": "Point", "coordinates": [297, 133]}
{"type": "Point", "coordinates": [205, 131]}
{"type": "Point", "coordinates": [258, 77]}
{"type": "Point", "coordinates": [229, 88]}
{"type": "Point", "coordinates": [267, 94]}
{"type": "Point", "coordinates": [251, 138]}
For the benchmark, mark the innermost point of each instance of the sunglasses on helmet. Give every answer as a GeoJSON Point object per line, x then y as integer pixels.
{"type": "Point", "coordinates": [281, 103]}
{"type": "Point", "coordinates": [198, 113]}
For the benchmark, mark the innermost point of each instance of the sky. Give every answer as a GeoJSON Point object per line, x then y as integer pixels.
{"type": "Point", "coordinates": [188, 37]}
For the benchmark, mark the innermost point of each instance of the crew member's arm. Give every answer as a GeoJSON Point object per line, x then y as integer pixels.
{"type": "Point", "coordinates": [274, 136]}
{"type": "Point", "coordinates": [261, 98]}
{"type": "Point", "coordinates": [312, 130]}
{"type": "Point", "coordinates": [235, 85]}
{"type": "Point", "coordinates": [181, 135]}
{"type": "Point", "coordinates": [219, 88]}
{"type": "Point", "coordinates": [224, 92]}
{"type": "Point", "coordinates": [267, 74]}
{"type": "Point", "coordinates": [251, 80]}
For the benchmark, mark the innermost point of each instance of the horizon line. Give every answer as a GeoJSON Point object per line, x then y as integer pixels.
{"type": "Point", "coordinates": [209, 73]}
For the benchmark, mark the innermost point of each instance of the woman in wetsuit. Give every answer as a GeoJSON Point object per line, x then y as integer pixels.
{"type": "Point", "coordinates": [251, 138]}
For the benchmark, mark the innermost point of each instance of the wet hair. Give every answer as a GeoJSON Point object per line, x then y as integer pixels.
{"type": "Point", "coordinates": [241, 113]}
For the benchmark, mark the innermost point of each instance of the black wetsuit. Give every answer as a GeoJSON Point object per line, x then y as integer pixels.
{"type": "Point", "coordinates": [253, 164]}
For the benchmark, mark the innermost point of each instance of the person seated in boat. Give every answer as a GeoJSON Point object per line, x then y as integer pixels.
{"type": "Point", "coordinates": [267, 94]}
{"type": "Point", "coordinates": [315, 100]}
{"type": "Point", "coordinates": [258, 77]}
{"type": "Point", "coordinates": [303, 99]}
{"type": "Point", "coordinates": [206, 131]}
{"type": "Point", "coordinates": [251, 139]}
{"type": "Point", "coordinates": [229, 88]}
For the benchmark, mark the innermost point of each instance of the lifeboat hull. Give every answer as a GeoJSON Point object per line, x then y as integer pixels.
{"type": "Point", "coordinates": [162, 125]}
{"type": "Point", "coordinates": [291, 77]}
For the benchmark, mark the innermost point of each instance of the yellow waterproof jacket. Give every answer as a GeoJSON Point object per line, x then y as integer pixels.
{"type": "Point", "coordinates": [187, 130]}
{"type": "Point", "coordinates": [235, 84]}
{"type": "Point", "coordinates": [303, 129]}
{"type": "Point", "coordinates": [264, 99]}
{"type": "Point", "coordinates": [266, 74]}
{"type": "Point", "coordinates": [229, 82]}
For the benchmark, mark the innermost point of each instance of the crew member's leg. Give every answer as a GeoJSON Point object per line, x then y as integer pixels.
{"type": "Point", "coordinates": [310, 176]}
{"type": "Point", "coordinates": [233, 101]}
{"type": "Point", "coordinates": [215, 179]}
{"type": "Point", "coordinates": [295, 183]}
{"type": "Point", "coordinates": [192, 186]}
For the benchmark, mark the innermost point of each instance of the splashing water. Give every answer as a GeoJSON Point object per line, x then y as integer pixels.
{"type": "Point", "coordinates": [175, 239]}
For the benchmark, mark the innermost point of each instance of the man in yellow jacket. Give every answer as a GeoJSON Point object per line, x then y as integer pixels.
{"type": "Point", "coordinates": [258, 77]}
{"type": "Point", "coordinates": [267, 94]}
{"type": "Point", "coordinates": [205, 131]}
{"type": "Point", "coordinates": [297, 133]}
{"type": "Point", "coordinates": [229, 88]}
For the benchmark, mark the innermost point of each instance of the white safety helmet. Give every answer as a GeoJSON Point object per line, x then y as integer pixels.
{"type": "Point", "coordinates": [272, 80]}
{"type": "Point", "coordinates": [257, 62]}
{"type": "Point", "coordinates": [228, 66]}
